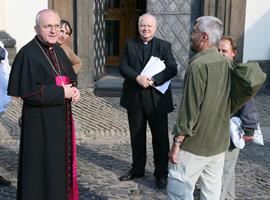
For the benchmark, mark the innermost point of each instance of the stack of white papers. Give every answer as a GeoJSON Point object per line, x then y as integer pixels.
{"type": "Point", "coordinates": [153, 67]}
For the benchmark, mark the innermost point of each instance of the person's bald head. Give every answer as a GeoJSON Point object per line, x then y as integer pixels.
{"type": "Point", "coordinates": [147, 27]}
{"type": "Point", "coordinates": [48, 26]}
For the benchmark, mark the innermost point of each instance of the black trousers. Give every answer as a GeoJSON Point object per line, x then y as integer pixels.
{"type": "Point", "coordinates": [160, 141]}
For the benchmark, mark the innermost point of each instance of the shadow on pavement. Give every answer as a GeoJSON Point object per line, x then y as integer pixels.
{"type": "Point", "coordinates": [256, 154]}
{"type": "Point", "coordinates": [9, 160]}
{"type": "Point", "coordinates": [86, 194]}
{"type": "Point", "coordinates": [11, 125]}
{"type": "Point", "coordinates": [7, 192]}
{"type": "Point", "coordinates": [113, 159]}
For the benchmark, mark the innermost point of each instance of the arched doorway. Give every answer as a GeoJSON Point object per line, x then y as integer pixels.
{"type": "Point", "coordinates": [121, 19]}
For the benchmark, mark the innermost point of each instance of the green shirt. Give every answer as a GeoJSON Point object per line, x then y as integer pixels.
{"type": "Point", "coordinates": [204, 112]}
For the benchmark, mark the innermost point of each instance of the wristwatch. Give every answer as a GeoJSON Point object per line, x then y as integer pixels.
{"type": "Point", "coordinates": [177, 141]}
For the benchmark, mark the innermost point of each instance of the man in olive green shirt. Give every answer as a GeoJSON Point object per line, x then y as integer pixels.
{"type": "Point", "coordinates": [202, 127]}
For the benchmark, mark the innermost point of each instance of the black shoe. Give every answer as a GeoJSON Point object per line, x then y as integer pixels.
{"type": "Point", "coordinates": [130, 176]}
{"type": "Point", "coordinates": [161, 182]}
{"type": "Point", "coordinates": [4, 182]}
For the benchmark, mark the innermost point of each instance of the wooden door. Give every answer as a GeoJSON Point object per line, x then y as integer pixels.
{"type": "Point", "coordinates": [121, 17]}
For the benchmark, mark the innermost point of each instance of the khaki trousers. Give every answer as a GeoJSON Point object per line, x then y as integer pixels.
{"type": "Point", "coordinates": [228, 178]}
{"type": "Point", "coordinates": [191, 168]}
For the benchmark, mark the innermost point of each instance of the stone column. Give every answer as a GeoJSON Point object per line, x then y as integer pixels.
{"type": "Point", "coordinates": [65, 10]}
{"type": "Point", "coordinates": [232, 14]}
{"type": "Point", "coordinates": [85, 41]}
{"type": "Point", "coordinates": [2, 15]}
{"type": "Point", "coordinates": [8, 41]}
{"type": "Point", "coordinates": [4, 36]}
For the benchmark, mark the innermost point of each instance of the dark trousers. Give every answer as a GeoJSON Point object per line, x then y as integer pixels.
{"type": "Point", "coordinates": [160, 141]}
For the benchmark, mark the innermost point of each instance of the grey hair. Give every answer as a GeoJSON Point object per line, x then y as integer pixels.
{"type": "Point", "coordinates": [148, 14]}
{"type": "Point", "coordinates": [212, 26]}
{"type": "Point", "coordinates": [37, 21]}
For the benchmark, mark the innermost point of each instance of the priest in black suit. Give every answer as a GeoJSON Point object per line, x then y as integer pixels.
{"type": "Point", "coordinates": [143, 102]}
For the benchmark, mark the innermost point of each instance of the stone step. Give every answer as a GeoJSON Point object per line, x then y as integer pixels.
{"type": "Point", "coordinates": [111, 86]}
{"type": "Point", "coordinates": [108, 87]}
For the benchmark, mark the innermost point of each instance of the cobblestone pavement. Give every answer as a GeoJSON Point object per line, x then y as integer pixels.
{"type": "Point", "coordinates": [104, 153]}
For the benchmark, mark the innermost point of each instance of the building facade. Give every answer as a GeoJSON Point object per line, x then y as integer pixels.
{"type": "Point", "coordinates": [100, 27]}
{"type": "Point", "coordinates": [103, 26]}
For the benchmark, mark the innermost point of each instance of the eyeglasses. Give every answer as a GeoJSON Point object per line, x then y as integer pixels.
{"type": "Point", "coordinates": [49, 27]}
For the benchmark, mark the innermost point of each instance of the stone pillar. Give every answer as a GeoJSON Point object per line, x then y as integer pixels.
{"type": "Point", "coordinates": [8, 41]}
{"type": "Point", "coordinates": [232, 14]}
{"type": "Point", "coordinates": [85, 41]}
{"type": "Point", "coordinates": [64, 9]}
{"type": "Point", "coordinates": [2, 15]}
{"type": "Point", "coordinates": [5, 37]}
{"type": "Point", "coordinates": [83, 34]}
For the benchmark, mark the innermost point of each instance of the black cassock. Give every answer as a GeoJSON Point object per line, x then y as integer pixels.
{"type": "Point", "coordinates": [45, 141]}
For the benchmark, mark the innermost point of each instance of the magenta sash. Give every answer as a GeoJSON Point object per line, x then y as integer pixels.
{"type": "Point", "coordinates": [60, 80]}
{"type": "Point", "coordinates": [73, 192]}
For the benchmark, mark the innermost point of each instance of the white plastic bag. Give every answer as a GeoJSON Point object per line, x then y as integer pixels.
{"type": "Point", "coordinates": [236, 132]}
{"type": "Point", "coordinates": [258, 137]}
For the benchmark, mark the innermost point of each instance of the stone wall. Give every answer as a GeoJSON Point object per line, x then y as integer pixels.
{"type": "Point", "coordinates": [175, 19]}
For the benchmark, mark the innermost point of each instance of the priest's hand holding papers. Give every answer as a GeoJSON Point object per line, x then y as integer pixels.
{"type": "Point", "coordinates": [153, 67]}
